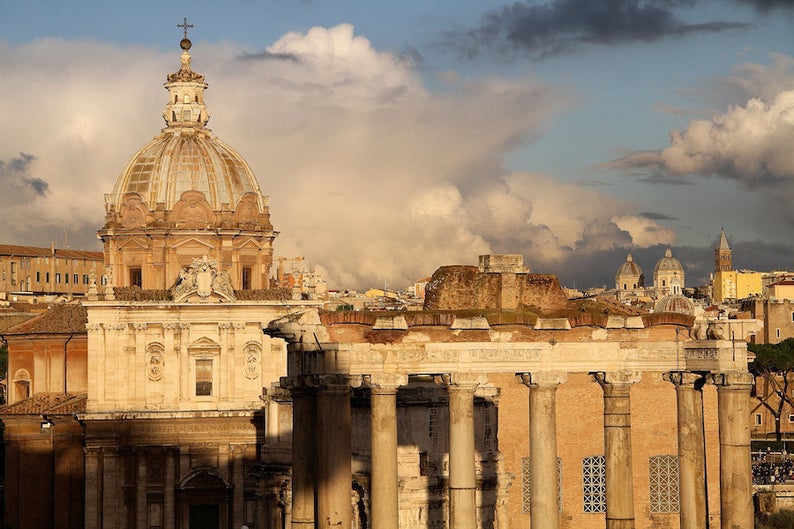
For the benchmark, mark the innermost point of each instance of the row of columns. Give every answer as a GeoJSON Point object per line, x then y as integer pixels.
{"type": "Point", "coordinates": [733, 389]}
{"type": "Point", "coordinates": [322, 420]}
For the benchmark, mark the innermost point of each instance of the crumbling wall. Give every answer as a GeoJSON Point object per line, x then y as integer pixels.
{"type": "Point", "coordinates": [465, 287]}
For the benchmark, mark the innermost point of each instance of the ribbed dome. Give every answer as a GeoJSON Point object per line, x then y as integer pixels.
{"type": "Point", "coordinates": [675, 303]}
{"type": "Point", "coordinates": [186, 156]}
{"type": "Point", "coordinates": [629, 268]}
{"type": "Point", "coordinates": [668, 263]}
{"type": "Point", "coordinates": [186, 160]}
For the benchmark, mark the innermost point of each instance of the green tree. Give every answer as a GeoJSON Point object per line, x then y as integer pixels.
{"type": "Point", "coordinates": [774, 363]}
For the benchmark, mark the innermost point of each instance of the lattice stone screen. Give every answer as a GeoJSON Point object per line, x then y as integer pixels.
{"type": "Point", "coordinates": [594, 484]}
{"type": "Point", "coordinates": [663, 479]}
{"type": "Point", "coordinates": [526, 483]}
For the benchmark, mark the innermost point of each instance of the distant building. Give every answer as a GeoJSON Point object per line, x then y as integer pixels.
{"type": "Point", "coordinates": [295, 275]}
{"type": "Point", "coordinates": [729, 284]}
{"type": "Point", "coordinates": [35, 271]}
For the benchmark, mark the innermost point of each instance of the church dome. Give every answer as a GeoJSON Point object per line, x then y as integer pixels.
{"type": "Point", "coordinates": [629, 275]}
{"type": "Point", "coordinates": [186, 167]}
{"type": "Point", "coordinates": [675, 303]}
{"type": "Point", "coordinates": [668, 263]}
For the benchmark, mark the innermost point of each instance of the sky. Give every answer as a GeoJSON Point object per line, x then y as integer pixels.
{"type": "Point", "coordinates": [396, 137]}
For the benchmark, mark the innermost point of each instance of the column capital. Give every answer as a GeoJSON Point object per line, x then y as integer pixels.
{"type": "Point", "coordinates": [384, 382]}
{"type": "Point", "coordinates": [461, 380]}
{"type": "Point", "coordinates": [616, 378]}
{"type": "Point", "coordinates": [732, 380]}
{"type": "Point", "coordinates": [682, 378]}
{"type": "Point", "coordinates": [542, 378]}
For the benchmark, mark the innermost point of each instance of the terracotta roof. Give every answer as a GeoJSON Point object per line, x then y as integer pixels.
{"type": "Point", "coordinates": [60, 319]}
{"type": "Point", "coordinates": [35, 251]}
{"type": "Point", "coordinates": [48, 403]}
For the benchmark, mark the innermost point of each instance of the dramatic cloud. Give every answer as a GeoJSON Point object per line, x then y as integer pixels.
{"type": "Point", "coordinates": [564, 26]}
{"type": "Point", "coordinates": [750, 144]}
{"type": "Point", "coordinates": [371, 175]}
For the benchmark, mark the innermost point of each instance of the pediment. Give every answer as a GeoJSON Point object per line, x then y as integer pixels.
{"type": "Point", "coordinates": [134, 243]}
{"type": "Point", "coordinates": [202, 281]}
{"type": "Point", "coordinates": [249, 243]}
{"type": "Point", "coordinates": [194, 241]}
{"type": "Point", "coordinates": [204, 343]}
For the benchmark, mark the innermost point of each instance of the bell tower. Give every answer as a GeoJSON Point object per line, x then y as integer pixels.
{"type": "Point", "coordinates": [723, 255]}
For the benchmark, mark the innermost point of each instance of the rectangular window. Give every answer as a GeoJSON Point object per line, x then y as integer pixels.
{"type": "Point", "coordinates": [594, 484]}
{"type": "Point", "coordinates": [246, 278]}
{"type": "Point", "coordinates": [58, 277]}
{"type": "Point", "coordinates": [85, 279]}
{"type": "Point", "coordinates": [75, 279]}
{"type": "Point", "coordinates": [38, 277]}
{"type": "Point", "coordinates": [136, 277]}
{"type": "Point", "coordinates": [791, 418]}
{"type": "Point", "coordinates": [432, 423]}
{"type": "Point", "coordinates": [663, 479]}
{"type": "Point", "coordinates": [758, 419]}
{"type": "Point", "coordinates": [47, 277]}
{"type": "Point", "coordinates": [66, 278]}
{"type": "Point", "coordinates": [777, 333]}
{"type": "Point", "coordinates": [204, 378]}
{"type": "Point", "coordinates": [792, 316]}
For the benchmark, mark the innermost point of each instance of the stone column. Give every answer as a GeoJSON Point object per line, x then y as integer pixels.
{"type": "Point", "coordinates": [334, 451]}
{"type": "Point", "coordinates": [141, 485]}
{"type": "Point", "coordinates": [237, 455]}
{"type": "Point", "coordinates": [462, 475]}
{"type": "Point", "coordinates": [617, 447]}
{"type": "Point", "coordinates": [383, 451]}
{"type": "Point", "coordinates": [169, 487]}
{"type": "Point", "coordinates": [304, 414]}
{"type": "Point", "coordinates": [93, 487]}
{"type": "Point", "coordinates": [736, 486]}
{"type": "Point", "coordinates": [544, 497]}
{"type": "Point", "coordinates": [693, 501]}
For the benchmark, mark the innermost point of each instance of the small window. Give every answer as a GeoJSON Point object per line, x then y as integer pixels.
{"type": "Point", "coordinates": [58, 277]}
{"type": "Point", "coordinates": [47, 277]}
{"type": "Point", "coordinates": [75, 278]}
{"type": "Point", "coordinates": [791, 418]}
{"type": "Point", "coordinates": [792, 316]}
{"type": "Point", "coordinates": [204, 378]}
{"type": "Point", "coordinates": [85, 279]}
{"type": "Point", "coordinates": [594, 484]}
{"type": "Point", "coordinates": [186, 99]}
{"type": "Point", "coordinates": [186, 115]}
{"type": "Point", "coordinates": [758, 419]}
{"type": "Point", "coordinates": [246, 278]}
{"type": "Point", "coordinates": [38, 277]}
{"type": "Point", "coordinates": [66, 278]}
{"type": "Point", "coordinates": [777, 333]}
{"type": "Point", "coordinates": [663, 478]}
{"type": "Point", "coordinates": [136, 277]}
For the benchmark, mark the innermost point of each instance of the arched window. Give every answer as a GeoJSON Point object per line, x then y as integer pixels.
{"type": "Point", "coordinates": [21, 384]}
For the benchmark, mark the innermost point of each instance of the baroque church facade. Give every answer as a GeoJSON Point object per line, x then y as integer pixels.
{"type": "Point", "coordinates": [196, 397]}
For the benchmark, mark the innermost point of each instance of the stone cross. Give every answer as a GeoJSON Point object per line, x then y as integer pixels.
{"type": "Point", "coordinates": [184, 25]}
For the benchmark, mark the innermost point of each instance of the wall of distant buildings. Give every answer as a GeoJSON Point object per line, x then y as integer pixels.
{"type": "Point", "coordinates": [28, 269]}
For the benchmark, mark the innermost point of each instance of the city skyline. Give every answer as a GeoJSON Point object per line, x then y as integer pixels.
{"type": "Point", "coordinates": [396, 139]}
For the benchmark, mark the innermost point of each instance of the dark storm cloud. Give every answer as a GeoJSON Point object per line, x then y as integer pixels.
{"type": "Point", "coordinates": [765, 6]}
{"type": "Point", "coordinates": [17, 181]}
{"type": "Point", "coordinates": [652, 215]}
{"type": "Point", "coordinates": [564, 26]}
{"type": "Point", "coordinates": [265, 55]}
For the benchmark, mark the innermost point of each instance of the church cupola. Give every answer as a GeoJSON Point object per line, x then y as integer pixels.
{"type": "Point", "coordinates": [185, 107]}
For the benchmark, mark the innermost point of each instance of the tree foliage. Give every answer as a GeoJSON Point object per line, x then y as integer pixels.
{"type": "Point", "coordinates": [774, 363]}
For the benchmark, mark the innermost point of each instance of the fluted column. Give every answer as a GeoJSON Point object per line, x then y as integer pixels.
{"type": "Point", "coordinates": [334, 451]}
{"type": "Point", "coordinates": [383, 451]}
{"type": "Point", "coordinates": [462, 470]}
{"type": "Point", "coordinates": [617, 447]}
{"type": "Point", "coordinates": [736, 487]}
{"type": "Point", "coordinates": [544, 498]}
{"type": "Point", "coordinates": [693, 506]}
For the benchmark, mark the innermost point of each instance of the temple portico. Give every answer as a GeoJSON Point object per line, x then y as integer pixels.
{"type": "Point", "coordinates": [616, 359]}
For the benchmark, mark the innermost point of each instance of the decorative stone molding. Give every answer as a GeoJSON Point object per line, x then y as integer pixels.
{"type": "Point", "coordinates": [140, 326]}
{"type": "Point", "coordinates": [203, 279]}
{"type": "Point", "coordinates": [457, 379]}
{"type": "Point", "coordinates": [384, 381]}
{"type": "Point", "coordinates": [616, 378]}
{"type": "Point", "coordinates": [542, 378]}
{"type": "Point", "coordinates": [736, 379]}
{"type": "Point", "coordinates": [253, 361]}
{"type": "Point", "coordinates": [682, 378]}
{"type": "Point", "coordinates": [93, 326]}
{"type": "Point", "coordinates": [170, 326]}
{"type": "Point", "coordinates": [155, 362]}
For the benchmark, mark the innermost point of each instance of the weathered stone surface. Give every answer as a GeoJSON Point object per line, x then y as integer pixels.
{"type": "Point", "coordinates": [465, 287]}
